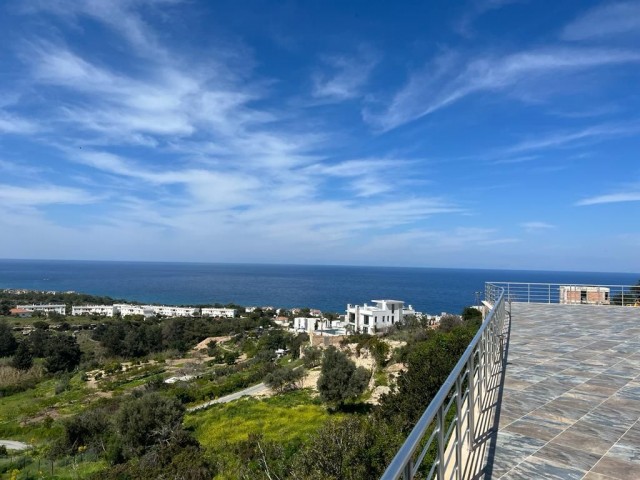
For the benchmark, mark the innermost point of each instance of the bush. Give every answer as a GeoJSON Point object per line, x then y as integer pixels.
{"type": "Point", "coordinates": [23, 358]}
{"type": "Point", "coordinates": [340, 380]}
{"type": "Point", "coordinates": [8, 343]}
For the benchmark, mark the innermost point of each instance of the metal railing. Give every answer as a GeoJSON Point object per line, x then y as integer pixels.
{"type": "Point", "coordinates": [446, 433]}
{"type": "Point", "coordinates": [570, 294]}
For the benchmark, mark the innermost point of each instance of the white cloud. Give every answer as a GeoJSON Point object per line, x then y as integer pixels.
{"type": "Point", "coordinates": [590, 134]}
{"type": "Point", "coordinates": [620, 197]}
{"type": "Point", "coordinates": [475, 10]}
{"type": "Point", "coordinates": [343, 77]}
{"type": "Point", "coordinates": [190, 155]}
{"type": "Point", "coordinates": [450, 77]}
{"type": "Point", "coordinates": [536, 226]}
{"type": "Point", "coordinates": [16, 125]}
{"type": "Point", "coordinates": [610, 19]}
{"type": "Point", "coordinates": [12, 196]}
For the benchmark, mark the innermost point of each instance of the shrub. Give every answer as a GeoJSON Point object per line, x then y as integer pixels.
{"type": "Point", "coordinates": [340, 380]}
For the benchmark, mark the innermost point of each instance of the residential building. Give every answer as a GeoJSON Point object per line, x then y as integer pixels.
{"type": "Point", "coordinates": [102, 310]}
{"type": "Point", "coordinates": [304, 324]}
{"type": "Point", "coordinates": [50, 308]}
{"type": "Point", "coordinates": [171, 311]}
{"type": "Point", "coordinates": [20, 312]}
{"type": "Point", "coordinates": [375, 318]}
{"type": "Point", "coordinates": [219, 312]}
{"type": "Point", "coordinates": [127, 309]}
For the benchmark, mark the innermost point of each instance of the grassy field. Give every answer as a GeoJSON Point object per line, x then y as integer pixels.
{"type": "Point", "coordinates": [288, 418]}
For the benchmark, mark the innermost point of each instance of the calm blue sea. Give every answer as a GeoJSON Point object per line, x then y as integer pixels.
{"type": "Point", "coordinates": [329, 288]}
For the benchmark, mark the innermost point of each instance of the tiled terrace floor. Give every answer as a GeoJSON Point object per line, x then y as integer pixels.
{"type": "Point", "coordinates": [570, 405]}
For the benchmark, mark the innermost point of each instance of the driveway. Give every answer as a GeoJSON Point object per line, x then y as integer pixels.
{"type": "Point", "coordinates": [13, 445]}
{"type": "Point", "coordinates": [249, 391]}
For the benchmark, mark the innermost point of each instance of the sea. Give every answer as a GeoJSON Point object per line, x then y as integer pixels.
{"type": "Point", "coordinates": [328, 288]}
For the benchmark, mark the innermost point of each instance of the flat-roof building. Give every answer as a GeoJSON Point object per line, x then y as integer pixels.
{"type": "Point", "coordinates": [375, 318]}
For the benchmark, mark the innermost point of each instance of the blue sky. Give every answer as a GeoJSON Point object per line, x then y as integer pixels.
{"type": "Point", "coordinates": [487, 133]}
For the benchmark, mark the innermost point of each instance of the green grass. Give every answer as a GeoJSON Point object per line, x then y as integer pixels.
{"type": "Point", "coordinates": [381, 378]}
{"type": "Point", "coordinates": [18, 411]}
{"type": "Point", "coordinates": [288, 418]}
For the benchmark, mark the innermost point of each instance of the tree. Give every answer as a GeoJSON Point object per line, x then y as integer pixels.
{"type": "Point", "coordinates": [312, 357]}
{"type": "Point", "coordinates": [147, 421]}
{"type": "Point", "coordinates": [449, 322]}
{"type": "Point", "coordinates": [39, 341]}
{"type": "Point", "coordinates": [379, 351]}
{"type": "Point", "coordinates": [23, 358]}
{"type": "Point", "coordinates": [8, 343]}
{"type": "Point", "coordinates": [340, 380]}
{"type": "Point", "coordinates": [470, 313]}
{"type": "Point", "coordinates": [63, 354]}
{"type": "Point", "coordinates": [353, 448]}
{"type": "Point", "coordinates": [284, 379]}
{"type": "Point", "coordinates": [428, 366]}
{"type": "Point", "coordinates": [5, 307]}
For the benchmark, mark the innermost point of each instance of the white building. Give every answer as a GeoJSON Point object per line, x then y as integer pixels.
{"type": "Point", "coordinates": [103, 310]}
{"type": "Point", "coordinates": [126, 309]}
{"type": "Point", "coordinates": [219, 312]}
{"type": "Point", "coordinates": [57, 308]}
{"type": "Point", "coordinates": [375, 318]}
{"type": "Point", "coordinates": [171, 311]}
{"type": "Point", "coordinates": [304, 324]}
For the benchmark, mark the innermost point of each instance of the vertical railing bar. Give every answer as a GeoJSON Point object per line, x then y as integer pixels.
{"type": "Point", "coordinates": [440, 421]}
{"type": "Point", "coordinates": [471, 399]}
{"type": "Point", "coordinates": [459, 428]}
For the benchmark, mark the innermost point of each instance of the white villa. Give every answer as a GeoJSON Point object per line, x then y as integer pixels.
{"type": "Point", "coordinates": [219, 312]}
{"type": "Point", "coordinates": [304, 324]}
{"type": "Point", "coordinates": [103, 310]}
{"type": "Point", "coordinates": [55, 308]}
{"type": "Point", "coordinates": [377, 317]}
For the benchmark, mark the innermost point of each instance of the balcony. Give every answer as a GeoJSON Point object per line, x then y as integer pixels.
{"type": "Point", "coordinates": [545, 390]}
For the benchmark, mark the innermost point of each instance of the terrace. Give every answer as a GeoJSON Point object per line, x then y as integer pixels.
{"type": "Point", "coordinates": [545, 390]}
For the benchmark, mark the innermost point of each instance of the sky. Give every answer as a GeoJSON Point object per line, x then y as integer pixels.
{"type": "Point", "coordinates": [479, 134]}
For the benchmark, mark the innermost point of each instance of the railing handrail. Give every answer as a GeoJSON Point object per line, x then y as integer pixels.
{"type": "Point", "coordinates": [565, 293]}
{"type": "Point", "coordinates": [411, 444]}
{"type": "Point", "coordinates": [563, 284]}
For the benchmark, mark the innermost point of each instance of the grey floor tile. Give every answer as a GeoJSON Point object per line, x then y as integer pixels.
{"type": "Point", "coordinates": [617, 468]}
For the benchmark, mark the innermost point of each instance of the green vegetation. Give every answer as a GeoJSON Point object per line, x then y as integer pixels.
{"type": "Point", "coordinates": [340, 380]}
{"type": "Point", "coordinates": [94, 403]}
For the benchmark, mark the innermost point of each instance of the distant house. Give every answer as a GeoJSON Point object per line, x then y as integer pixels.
{"type": "Point", "coordinates": [126, 309]}
{"type": "Point", "coordinates": [20, 312]}
{"type": "Point", "coordinates": [219, 312]}
{"type": "Point", "coordinates": [102, 310]}
{"type": "Point", "coordinates": [304, 324]}
{"type": "Point", "coordinates": [375, 318]}
{"type": "Point", "coordinates": [46, 308]}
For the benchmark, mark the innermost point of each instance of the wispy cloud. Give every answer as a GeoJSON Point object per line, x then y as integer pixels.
{"type": "Point", "coordinates": [475, 9]}
{"type": "Point", "coordinates": [343, 77]}
{"type": "Point", "coordinates": [611, 19]}
{"type": "Point", "coordinates": [451, 77]}
{"type": "Point", "coordinates": [590, 134]}
{"type": "Point", "coordinates": [536, 226]}
{"type": "Point", "coordinates": [12, 196]}
{"type": "Point", "coordinates": [16, 125]}
{"type": "Point", "coordinates": [619, 197]}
